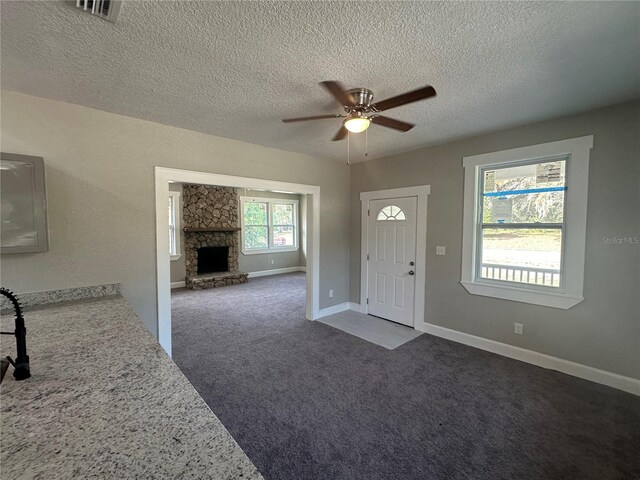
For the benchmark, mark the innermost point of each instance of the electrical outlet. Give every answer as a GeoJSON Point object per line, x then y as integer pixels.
{"type": "Point", "coordinates": [330, 293]}
{"type": "Point", "coordinates": [273, 262]}
{"type": "Point", "coordinates": [518, 328]}
{"type": "Point", "coordinates": [441, 250]}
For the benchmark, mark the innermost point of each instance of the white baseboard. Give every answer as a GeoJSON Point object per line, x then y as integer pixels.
{"type": "Point", "coordinates": [178, 284]}
{"type": "Point", "coordinates": [627, 384]}
{"type": "Point", "coordinates": [325, 312]}
{"type": "Point", "coordinates": [276, 271]}
{"type": "Point", "coordinates": [356, 307]}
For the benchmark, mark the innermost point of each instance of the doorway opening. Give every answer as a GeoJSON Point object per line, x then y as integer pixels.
{"type": "Point", "coordinates": [203, 241]}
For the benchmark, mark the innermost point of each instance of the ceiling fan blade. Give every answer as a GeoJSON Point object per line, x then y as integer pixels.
{"type": "Point", "coordinates": [392, 123]}
{"type": "Point", "coordinates": [338, 92]}
{"type": "Point", "coordinates": [341, 134]}
{"type": "Point", "coordinates": [316, 117]}
{"type": "Point", "coordinates": [409, 97]}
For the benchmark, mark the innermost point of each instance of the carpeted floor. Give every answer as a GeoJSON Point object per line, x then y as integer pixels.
{"type": "Point", "coordinates": [307, 401]}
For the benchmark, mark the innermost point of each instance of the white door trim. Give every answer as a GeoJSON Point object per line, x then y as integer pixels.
{"type": "Point", "coordinates": [422, 192]}
{"type": "Point", "coordinates": [165, 175]}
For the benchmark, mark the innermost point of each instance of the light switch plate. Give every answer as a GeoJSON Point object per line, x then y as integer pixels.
{"type": "Point", "coordinates": [441, 250]}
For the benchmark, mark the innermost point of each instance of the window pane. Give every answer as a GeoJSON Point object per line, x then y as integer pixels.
{"type": "Point", "coordinates": [256, 237]}
{"type": "Point", "coordinates": [522, 255]}
{"type": "Point", "coordinates": [283, 236]}
{"type": "Point", "coordinates": [172, 226]}
{"type": "Point", "coordinates": [171, 212]}
{"type": "Point", "coordinates": [390, 212]}
{"type": "Point", "coordinates": [282, 214]}
{"type": "Point", "coordinates": [172, 241]}
{"type": "Point", "coordinates": [525, 193]}
{"type": "Point", "coordinates": [255, 213]}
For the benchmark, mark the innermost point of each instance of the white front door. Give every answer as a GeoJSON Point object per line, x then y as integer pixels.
{"type": "Point", "coordinates": [392, 258]}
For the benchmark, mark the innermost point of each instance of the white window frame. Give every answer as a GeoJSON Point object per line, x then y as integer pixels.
{"type": "Point", "coordinates": [271, 248]}
{"type": "Point", "coordinates": [575, 220]}
{"type": "Point", "coordinates": [175, 198]}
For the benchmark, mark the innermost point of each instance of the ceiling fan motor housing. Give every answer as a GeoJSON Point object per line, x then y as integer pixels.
{"type": "Point", "coordinates": [362, 97]}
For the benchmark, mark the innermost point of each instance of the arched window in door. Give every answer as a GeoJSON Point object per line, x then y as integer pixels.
{"type": "Point", "coordinates": [391, 212]}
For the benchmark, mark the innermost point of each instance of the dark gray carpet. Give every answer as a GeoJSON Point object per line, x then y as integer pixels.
{"type": "Point", "coordinates": [307, 401]}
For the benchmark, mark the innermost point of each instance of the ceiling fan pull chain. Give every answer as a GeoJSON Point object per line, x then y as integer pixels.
{"type": "Point", "coordinates": [366, 143]}
{"type": "Point", "coordinates": [348, 149]}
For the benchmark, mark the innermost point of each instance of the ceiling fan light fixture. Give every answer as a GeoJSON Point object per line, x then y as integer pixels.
{"type": "Point", "coordinates": [357, 124]}
{"type": "Point", "coordinates": [360, 110]}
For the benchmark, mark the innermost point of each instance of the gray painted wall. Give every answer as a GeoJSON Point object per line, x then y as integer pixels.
{"type": "Point", "coordinates": [604, 330]}
{"type": "Point", "coordinates": [100, 186]}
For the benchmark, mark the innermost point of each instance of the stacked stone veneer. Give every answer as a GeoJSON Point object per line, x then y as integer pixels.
{"type": "Point", "coordinates": [210, 207]}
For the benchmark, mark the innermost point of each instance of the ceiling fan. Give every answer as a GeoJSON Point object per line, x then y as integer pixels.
{"type": "Point", "coordinates": [361, 112]}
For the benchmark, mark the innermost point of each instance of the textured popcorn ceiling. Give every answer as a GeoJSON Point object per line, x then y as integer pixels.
{"type": "Point", "coordinates": [234, 69]}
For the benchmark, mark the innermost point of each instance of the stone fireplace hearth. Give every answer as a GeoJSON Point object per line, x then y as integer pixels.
{"type": "Point", "coordinates": [211, 222]}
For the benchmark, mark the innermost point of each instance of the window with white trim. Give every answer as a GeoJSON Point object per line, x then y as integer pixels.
{"type": "Point", "coordinates": [174, 225]}
{"type": "Point", "coordinates": [525, 222]}
{"type": "Point", "coordinates": [268, 225]}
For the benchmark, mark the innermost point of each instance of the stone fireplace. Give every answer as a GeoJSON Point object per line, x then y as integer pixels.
{"type": "Point", "coordinates": [211, 237]}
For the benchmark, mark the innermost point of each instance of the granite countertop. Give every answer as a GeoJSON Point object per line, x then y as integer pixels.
{"type": "Point", "coordinates": [106, 401]}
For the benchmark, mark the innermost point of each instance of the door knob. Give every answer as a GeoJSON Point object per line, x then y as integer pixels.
{"type": "Point", "coordinates": [411, 272]}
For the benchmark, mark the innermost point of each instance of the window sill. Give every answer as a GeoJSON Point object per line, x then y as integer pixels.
{"type": "Point", "coordinates": [517, 294]}
{"type": "Point", "coordinates": [175, 257]}
{"type": "Point", "coordinates": [273, 250]}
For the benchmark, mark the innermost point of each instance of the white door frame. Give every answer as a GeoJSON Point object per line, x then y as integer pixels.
{"type": "Point", "coordinates": [165, 175]}
{"type": "Point", "coordinates": [422, 192]}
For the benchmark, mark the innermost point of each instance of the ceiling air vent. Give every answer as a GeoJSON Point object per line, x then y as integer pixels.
{"type": "Point", "coordinates": [107, 9]}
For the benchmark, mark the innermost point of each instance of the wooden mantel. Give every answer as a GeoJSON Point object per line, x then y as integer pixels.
{"type": "Point", "coordinates": [212, 229]}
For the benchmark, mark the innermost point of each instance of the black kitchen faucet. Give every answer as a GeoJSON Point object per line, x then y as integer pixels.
{"type": "Point", "coordinates": [21, 364]}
